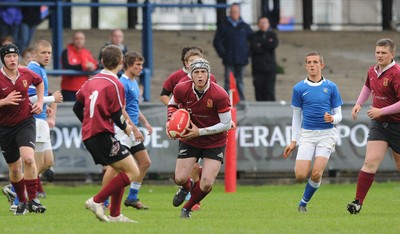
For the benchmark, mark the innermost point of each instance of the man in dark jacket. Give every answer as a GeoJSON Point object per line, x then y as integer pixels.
{"type": "Point", "coordinates": [231, 44]}
{"type": "Point", "coordinates": [262, 48]}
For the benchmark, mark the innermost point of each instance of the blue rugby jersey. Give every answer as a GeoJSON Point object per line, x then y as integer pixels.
{"type": "Point", "coordinates": [315, 99]}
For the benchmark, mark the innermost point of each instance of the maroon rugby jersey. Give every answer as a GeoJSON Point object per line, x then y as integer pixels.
{"type": "Point", "coordinates": [11, 115]}
{"type": "Point", "coordinates": [102, 95]}
{"type": "Point", "coordinates": [385, 90]}
{"type": "Point", "coordinates": [177, 77]}
{"type": "Point", "coordinates": [204, 111]}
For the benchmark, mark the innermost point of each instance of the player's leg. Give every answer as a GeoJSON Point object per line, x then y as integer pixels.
{"type": "Point", "coordinates": [313, 182]}
{"type": "Point", "coordinates": [49, 162]}
{"type": "Point", "coordinates": [100, 147]}
{"type": "Point", "coordinates": [396, 157]}
{"type": "Point", "coordinates": [143, 160]}
{"type": "Point", "coordinates": [302, 168]}
{"type": "Point", "coordinates": [195, 175]}
{"type": "Point", "coordinates": [109, 173]}
{"type": "Point", "coordinates": [39, 160]}
{"type": "Point", "coordinates": [212, 162]}
{"type": "Point", "coordinates": [30, 179]}
{"type": "Point", "coordinates": [375, 152]}
{"type": "Point", "coordinates": [183, 169]}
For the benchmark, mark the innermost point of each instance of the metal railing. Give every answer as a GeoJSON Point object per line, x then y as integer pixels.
{"type": "Point", "coordinates": [56, 8]}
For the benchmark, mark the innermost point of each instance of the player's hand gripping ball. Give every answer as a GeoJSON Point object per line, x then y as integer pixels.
{"type": "Point", "coordinates": [178, 123]}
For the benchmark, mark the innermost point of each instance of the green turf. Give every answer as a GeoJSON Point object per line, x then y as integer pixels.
{"type": "Point", "coordinates": [252, 209]}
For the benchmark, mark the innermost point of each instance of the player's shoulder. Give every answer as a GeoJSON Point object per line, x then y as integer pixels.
{"type": "Point", "coordinates": [177, 74]}
{"type": "Point", "coordinates": [217, 89]}
{"type": "Point", "coordinates": [300, 84]}
{"type": "Point", "coordinates": [184, 84]}
{"type": "Point", "coordinates": [25, 71]}
{"type": "Point", "coordinates": [329, 82]}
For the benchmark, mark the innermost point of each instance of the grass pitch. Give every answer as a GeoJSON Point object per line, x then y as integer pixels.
{"type": "Point", "coordinates": [251, 209]}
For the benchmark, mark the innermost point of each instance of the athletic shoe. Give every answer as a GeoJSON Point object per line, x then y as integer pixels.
{"type": "Point", "coordinates": [121, 219]}
{"type": "Point", "coordinates": [302, 209]}
{"type": "Point", "coordinates": [354, 207]}
{"type": "Point", "coordinates": [11, 195]}
{"type": "Point", "coordinates": [185, 214]}
{"type": "Point", "coordinates": [34, 206]}
{"type": "Point", "coordinates": [196, 207]}
{"type": "Point", "coordinates": [13, 207]}
{"type": "Point", "coordinates": [21, 209]}
{"type": "Point", "coordinates": [97, 209]}
{"type": "Point", "coordinates": [41, 195]}
{"type": "Point", "coordinates": [135, 204]}
{"type": "Point", "coordinates": [49, 174]}
{"type": "Point", "coordinates": [180, 195]}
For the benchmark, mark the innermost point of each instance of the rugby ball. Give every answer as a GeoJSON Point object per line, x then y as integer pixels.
{"type": "Point", "coordinates": [178, 123]}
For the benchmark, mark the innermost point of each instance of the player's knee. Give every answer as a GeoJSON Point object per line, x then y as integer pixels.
{"type": "Point", "coordinates": [206, 184]}
{"type": "Point", "coordinates": [15, 172]}
{"type": "Point", "coordinates": [301, 176]}
{"type": "Point", "coordinates": [29, 162]}
{"type": "Point", "coordinates": [144, 165]}
{"type": "Point", "coordinates": [180, 180]}
{"type": "Point", "coordinates": [316, 177]}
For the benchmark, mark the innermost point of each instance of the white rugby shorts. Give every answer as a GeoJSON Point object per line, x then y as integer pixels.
{"type": "Point", "coordinates": [124, 139]}
{"type": "Point", "coordinates": [42, 136]}
{"type": "Point", "coordinates": [317, 143]}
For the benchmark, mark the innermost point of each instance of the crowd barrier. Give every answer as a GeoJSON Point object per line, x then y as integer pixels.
{"type": "Point", "coordinates": [263, 132]}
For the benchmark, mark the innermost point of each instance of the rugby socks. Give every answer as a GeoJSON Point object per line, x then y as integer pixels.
{"type": "Point", "coordinates": [197, 196]}
{"type": "Point", "coordinates": [309, 191]}
{"type": "Point", "coordinates": [31, 188]}
{"type": "Point", "coordinates": [20, 190]}
{"type": "Point", "coordinates": [39, 185]}
{"type": "Point", "coordinates": [115, 205]}
{"type": "Point", "coordinates": [134, 190]}
{"type": "Point", "coordinates": [187, 186]}
{"type": "Point", "coordinates": [364, 183]}
{"type": "Point", "coordinates": [119, 181]}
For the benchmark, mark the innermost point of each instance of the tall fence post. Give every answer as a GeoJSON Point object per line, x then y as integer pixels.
{"type": "Point", "coordinates": [147, 38]}
{"type": "Point", "coordinates": [57, 35]}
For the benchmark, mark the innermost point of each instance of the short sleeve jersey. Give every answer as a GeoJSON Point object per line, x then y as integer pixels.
{"type": "Point", "coordinates": [315, 99]}
{"type": "Point", "coordinates": [41, 71]}
{"type": "Point", "coordinates": [178, 77]}
{"type": "Point", "coordinates": [101, 96]}
{"type": "Point", "coordinates": [204, 111]}
{"type": "Point", "coordinates": [385, 89]}
{"type": "Point", "coordinates": [132, 93]}
{"type": "Point", "coordinates": [11, 115]}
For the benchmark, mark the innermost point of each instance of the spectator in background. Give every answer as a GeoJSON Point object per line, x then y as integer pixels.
{"type": "Point", "coordinates": [27, 56]}
{"type": "Point", "coordinates": [262, 47]}
{"type": "Point", "coordinates": [78, 58]}
{"type": "Point", "coordinates": [231, 44]}
{"type": "Point", "coordinates": [116, 38]}
{"type": "Point", "coordinates": [31, 18]}
{"type": "Point", "coordinates": [271, 10]}
{"type": "Point", "coordinates": [10, 19]}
